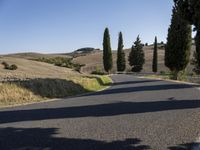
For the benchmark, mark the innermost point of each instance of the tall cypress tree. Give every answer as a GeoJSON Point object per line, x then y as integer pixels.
{"type": "Point", "coordinates": [107, 52]}
{"type": "Point", "coordinates": [155, 56]}
{"type": "Point", "coordinates": [190, 12]}
{"type": "Point", "coordinates": [121, 62]}
{"type": "Point", "coordinates": [177, 51]}
{"type": "Point", "coordinates": [136, 56]}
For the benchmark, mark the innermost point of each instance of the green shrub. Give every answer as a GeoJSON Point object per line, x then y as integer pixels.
{"type": "Point", "coordinates": [13, 67]}
{"type": "Point", "coordinates": [5, 64]}
{"type": "Point", "coordinates": [61, 62]}
{"type": "Point", "coordinates": [9, 67]}
{"type": "Point", "coordinates": [97, 72]}
{"type": "Point", "coordinates": [162, 72]}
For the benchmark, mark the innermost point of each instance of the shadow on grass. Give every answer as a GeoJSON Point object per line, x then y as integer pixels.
{"type": "Point", "coordinates": [43, 139]}
{"type": "Point", "coordinates": [102, 110]}
{"type": "Point", "coordinates": [187, 146]}
{"type": "Point", "coordinates": [51, 88]}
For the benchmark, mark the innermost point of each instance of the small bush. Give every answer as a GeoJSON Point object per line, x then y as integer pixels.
{"type": "Point", "coordinates": [162, 73]}
{"type": "Point", "coordinates": [13, 67]}
{"type": "Point", "coordinates": [9, 67]}
{"type": "Point", "coordinates": [5, 64]}
{"type": "Point", "coordinates": [97, 72]}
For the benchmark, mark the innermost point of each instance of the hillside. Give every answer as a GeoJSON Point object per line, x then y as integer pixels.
{"type": "Point", "coordinates": [32, 55]}
{"type": "Point", "coordinates": [94, 60]}
{"type": "Point", "coordinates": [35, 81]}
{"type": "Point", "coordinates": [33, 69]}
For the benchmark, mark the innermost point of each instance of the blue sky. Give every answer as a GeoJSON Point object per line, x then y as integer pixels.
{"type": "Point", "coordinates": [53, 26]}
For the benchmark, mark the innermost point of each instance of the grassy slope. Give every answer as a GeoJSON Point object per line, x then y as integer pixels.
{"type": "Point", "coordinates": [35, 55]}
{"type": "Point", "coordinates": [95, 59]}
{"type": "Point", "coordinates": [45, 81]}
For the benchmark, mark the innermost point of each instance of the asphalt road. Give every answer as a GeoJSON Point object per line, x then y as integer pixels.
{"type": "Point", "coordinates": [134, 114]}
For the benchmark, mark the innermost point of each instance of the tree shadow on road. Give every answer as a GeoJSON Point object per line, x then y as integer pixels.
{"type": "Point", "coordinates": [134, 82]}
{"type": "Point", "coordinates": [101, 110]}
{"type": "Point", "coordinates": [43, 139]}
{"type": "Point", "coordinates": [187, 146]}
{"type": "Point", "coordinates": [150, 88]}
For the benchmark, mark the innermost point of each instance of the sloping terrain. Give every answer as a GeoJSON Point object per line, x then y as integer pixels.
{"type": "Point", "coordinates": [32, 55]}
{"type": "Point", "coordinates": [93, 61]}
{"type": "Point", "coordinates": [35, 81]}
{"type": "Point", "coordinates": [33, 69]}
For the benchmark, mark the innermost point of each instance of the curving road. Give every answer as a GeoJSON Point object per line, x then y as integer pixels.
{"type": "Point", "coordinates": [134, 114]}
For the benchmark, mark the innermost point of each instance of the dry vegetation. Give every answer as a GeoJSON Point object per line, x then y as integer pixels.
{"type": "Point", "coordinates": [94, 60]}
{"type": "Point", "coordinates": [34, 69]}
{"type": "Point", "coordinates": [45, 81]}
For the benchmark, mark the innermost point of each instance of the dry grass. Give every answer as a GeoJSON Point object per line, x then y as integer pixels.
{"type": "Point", "coordinates": [34, 69]}
{"type": "Point", "coordinates": [36, 90]}
{"type": "Point", "coordinates": [46, 81]}
{"type": "Point", "coordinates": [35, 55]}
{"type": "Point", "coordinates": [11, 94]}
{"type": "Point", "coordinates": [94, 60]}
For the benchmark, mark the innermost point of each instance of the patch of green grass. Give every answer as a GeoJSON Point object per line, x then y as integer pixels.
{"type": "Point", "coordinates": [93, 83]}
{"type": "Point", "coordinates": [106, 80]}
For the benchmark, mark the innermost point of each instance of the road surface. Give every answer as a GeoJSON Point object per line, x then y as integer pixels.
{"type": "Point", "coordinates": [133, 114]}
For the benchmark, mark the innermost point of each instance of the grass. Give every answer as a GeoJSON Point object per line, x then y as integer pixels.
{"type": "Point", "coordinates": [36, 90]}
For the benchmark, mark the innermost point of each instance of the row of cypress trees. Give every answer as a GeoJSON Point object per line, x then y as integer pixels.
{"type": "Point", "coordinates": [136, 57]}
{"type": "Point", "coordinates": [107, 53]}
{"type": "Point", "coordinates": [178, 46]}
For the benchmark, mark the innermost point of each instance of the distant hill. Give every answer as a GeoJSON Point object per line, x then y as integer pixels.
{"type": "Point", "coordinates": [83, 52]}
{"type": "Point", "coordinates": [32, 55]}
{"type": "Point", "coordinates": [92, 58]}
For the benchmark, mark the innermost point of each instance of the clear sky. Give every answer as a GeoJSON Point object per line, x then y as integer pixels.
{"type": "Point", "coordinates": [53, 26]}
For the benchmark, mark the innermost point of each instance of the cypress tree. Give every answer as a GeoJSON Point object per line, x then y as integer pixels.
{"type": "Point", "coordinates": [121, 62]}
{"type": "Point", "coordinates": [155, 56]}
{"type": "Point", "coordinates": [107, 52]}
{"type": "Point", "coordinates": [136, 56]}
{"type": "Point", "coordinates": [190, 12]}
{"type": "Point", "coordinates": [177, 51]}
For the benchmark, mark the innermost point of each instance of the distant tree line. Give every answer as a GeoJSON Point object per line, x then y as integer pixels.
{"type": "Point", "coordinates": [136, 57]}
{"type": "Point", "coordinates": [185, 13]}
